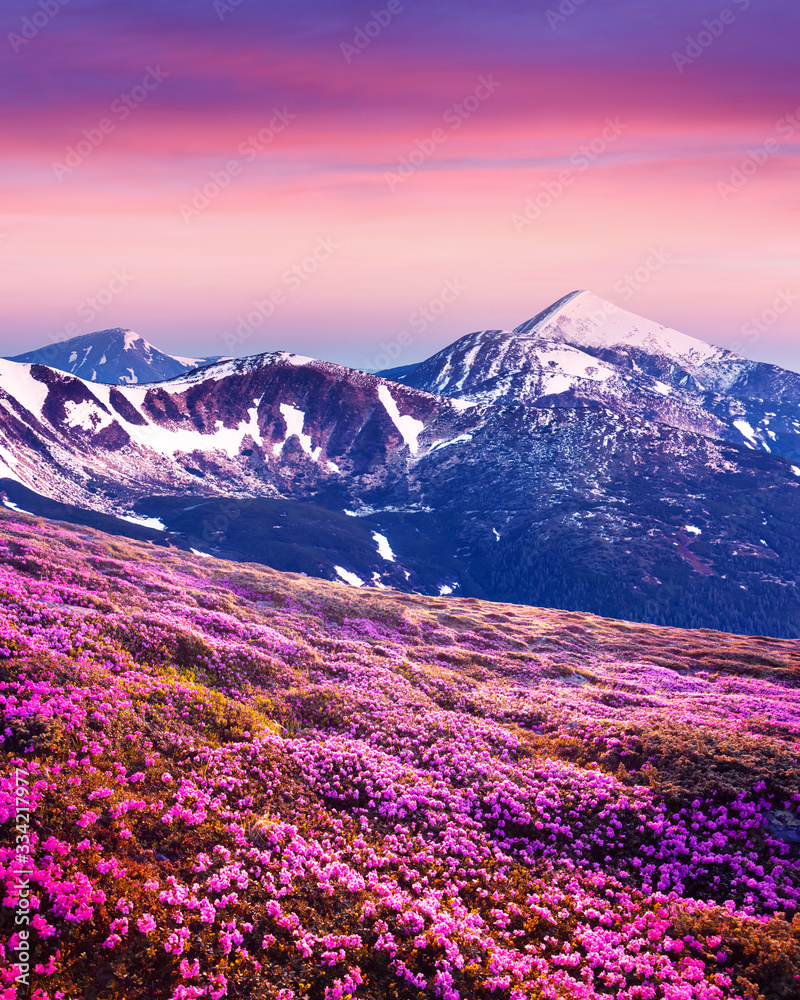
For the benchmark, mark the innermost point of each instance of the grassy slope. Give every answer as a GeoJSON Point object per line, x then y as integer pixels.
{"type": "Point", "coordinates": [254, 784]}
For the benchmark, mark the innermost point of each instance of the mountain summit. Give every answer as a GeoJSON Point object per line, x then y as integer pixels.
{"type": "Point", "coordinates": [586, 321]}
{"type": "Point", "coordinates": [585, 351]}
{"type": "Point", "coordinates": [117, 356]}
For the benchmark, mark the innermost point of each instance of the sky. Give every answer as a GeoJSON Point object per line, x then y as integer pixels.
{"type": "Point", "coordinates": [367, 182]}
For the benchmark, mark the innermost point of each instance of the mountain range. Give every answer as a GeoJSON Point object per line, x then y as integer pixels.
{"type": "Point", "coordinates": [589, 460]}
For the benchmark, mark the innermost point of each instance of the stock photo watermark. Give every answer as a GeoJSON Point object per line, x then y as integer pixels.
{"type": "Point", "coordinates": [224, 7]}
{"type": "Point", "coordinates": [632, 283]}
{"type": "Point", "coordinates": [580, 161]}
{"type": "Point", "coordinates": [562, 13]}
{"type": "Point", "coordinates": [364, 36]}
{"type": "Point", "coordinates": [454, 117]}
{"type": "Point", "coordinates": [293, 278]}
{"type": "Point", "coordinates": [249, 149]}
{"type": "Point", "coordinates": [419, 321]}
{"type": "Point", "coordinates": [752, 331]}
{"type": "Point", "coordinates": [740, 173]}
{"type": "Point", "coordinates": [92, 306]}
{"type": "Point", "coordinates": [33, 24]}
{"type": "Point", "coordinates": [120, 108]}
{"type": "Point", "coordinates": [19, 945]}
{"type": "Point", "coordinates": [712, 29]}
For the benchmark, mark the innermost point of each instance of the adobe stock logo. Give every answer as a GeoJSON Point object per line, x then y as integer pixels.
{"type": "Point", "coordinates": [365, 36]}
{"type": "Point", "coordinates": [697, 44]}
{"type": "Point", "coordinates": [560, 14]}
{"type": "Point", "coordinates": [752, 331]}
{"type": "Point", "coordinates": [219, 180]}
{"type": "Point", "coordinates": [293, 278]}
{"type": "Point", "coordinates": [427, 147]}
{"type": "Point", "coordinates": [121, 108]}
{"type": "Point", "coordinates": [582, 159]}
{"type": "Point", "coordinates": [419, 321]}
{"type": "Point", "coordinates": [31, 26]}
{"type": "Point", "coordinates": [91, 307]}
{"type": "Point", "coordinates": [740, 173]}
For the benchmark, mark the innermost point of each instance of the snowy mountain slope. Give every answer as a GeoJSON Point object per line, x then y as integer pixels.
{"type": "Point", "coordinates": [115, 356]}
{"type": "Point", "coordinates": [598, 326]}
{"type": "Point", "coordinates": [585, 351]}
{"type": "Point", "coordinates": [580, 506]}
{"type": "Point", "coordinates": [245, 425]}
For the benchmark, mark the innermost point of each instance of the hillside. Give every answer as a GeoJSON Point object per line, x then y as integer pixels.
{"type": "Point", "coordinates": [250, 784]}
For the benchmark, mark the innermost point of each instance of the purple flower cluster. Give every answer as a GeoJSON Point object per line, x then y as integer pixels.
{"type": "Point", "coordinates": [249, 784]}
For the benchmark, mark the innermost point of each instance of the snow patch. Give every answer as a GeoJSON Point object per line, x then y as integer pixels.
{"type": "Point", "coordinates": [295, 419]}
{"type": "Point", "coordinates": [410, 428]}
{"type": "Point", "coordinates": [348, 577]}
{"type": "Point", "coordinates": [6, 471]}
{"type": "Point", "coordinates": [20, 384]}
{"type": "Point", "coordinates": [298, 360]}
{"type": "Point", "coordinates": [573, 361]}
{"type": "Point", "coordinates": [87, 415]}
{"type": "Point", "coordinates": [745, 430]}
{"type": "Point", "coordinates": [203, 555]}
{"type": "Point", "coordinates": [557, 383]}
{"type": "Point", "coordinates": [445, 590]}
{"type": "Point", "coordinates": [459, 405]}
{"type": "Point", "coordinates": [131, 340]}
{"type": "Point", "coordinates": [462, 438]}
{"type": "Point", "coordinates": [14, 507]}
{"type": "Point", "coordinates": [466, 364]}
{"type": "Point", "coordinates": [215, 371]}
{"type": "Point", "coordinates": [192, 363]}
{"type": "Point", "coordinates": [146, 522]}
{"type": "Point", "coordinates": [384, 548]}
{"type": "Point", "coordinates": [169, 442]}
{"type": "Point", "coordinates": [693, 530]}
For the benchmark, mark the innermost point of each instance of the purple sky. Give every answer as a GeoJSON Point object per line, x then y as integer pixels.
{"type": "Point", "coordinates": [119, 114]}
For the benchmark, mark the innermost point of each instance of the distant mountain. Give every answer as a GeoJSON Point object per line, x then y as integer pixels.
{"type": "Point", "coordinates": [585, 351]}
{"type": "Point", "coordinates": [115, 357]}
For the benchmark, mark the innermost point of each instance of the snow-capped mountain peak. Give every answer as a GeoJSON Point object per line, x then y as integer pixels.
{"type": "Point", "coordinates": [585, 351]}
{"type": "Point", "coordinates": [115, 356]}
{"type": "Point", "coordinates": [587, 321]}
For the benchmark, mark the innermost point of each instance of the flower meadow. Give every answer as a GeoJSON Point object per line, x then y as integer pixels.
{"type": "Point", "coordinates": [244, 783]}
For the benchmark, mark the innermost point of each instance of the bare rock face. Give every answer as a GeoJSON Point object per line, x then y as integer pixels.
{"type": "Point", "coordinates": [589, 460]}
